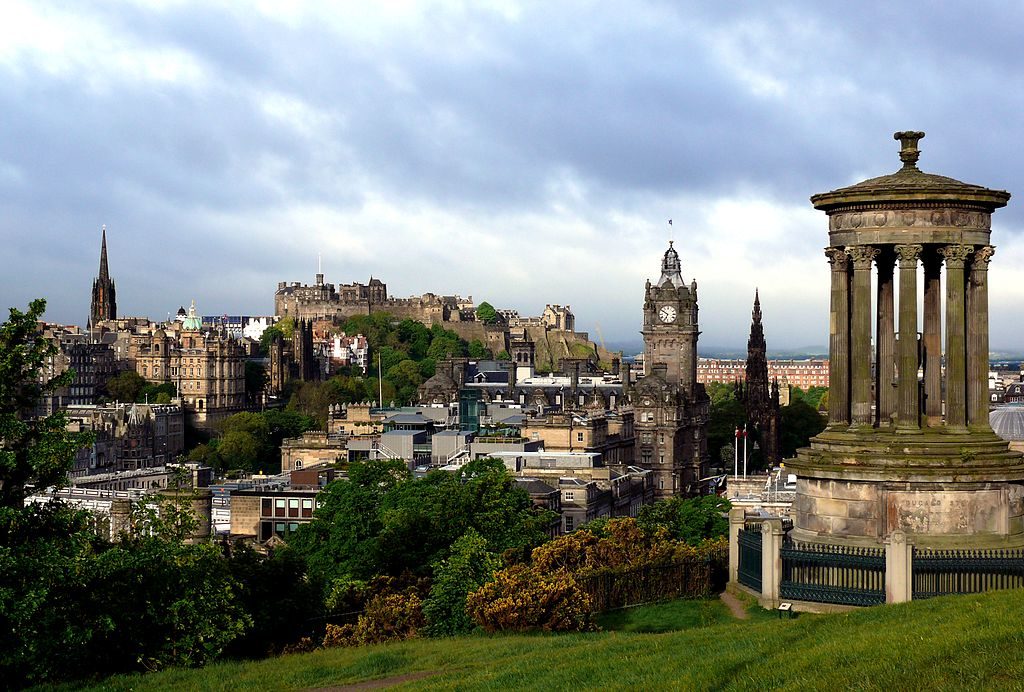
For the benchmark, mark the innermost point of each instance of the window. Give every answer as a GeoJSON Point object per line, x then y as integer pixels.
{"type": "Point", "coordinates": [568, 494]}
{"type": "Point", "coordinates": [661, 458]}
{"type": "Point", "coordinates": [307, 508]}
{"type": "Point", "coordinates": [293, 508]}
{"type": "Point", "coordinates": [579, 437]}
{"type": "Point", "coordinates": [279, 508]}
{"type": "Point", "coordinates": [568, 523]}
{"type": "Point", "coordinates": [661, 484]}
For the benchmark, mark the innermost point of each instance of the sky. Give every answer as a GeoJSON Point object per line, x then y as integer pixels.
{"type": "Point", "coordinates": [519, 153]}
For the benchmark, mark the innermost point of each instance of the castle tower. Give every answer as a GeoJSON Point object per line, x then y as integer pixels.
{"type": "Point", "coordinates": [104, 299]}
{"type": "Point", "coordinates": [671, 407]}
{"type": "Point", "coordinates": [894, 455]}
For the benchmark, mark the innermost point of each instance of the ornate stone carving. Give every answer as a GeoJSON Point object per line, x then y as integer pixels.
{"type": "Point", "coordinates": [905, 218]}
{"type": "Point", "coordinates": [956, 255]}
{"type": "Point", "coordinates": [908, 254]}
{"type": "Point", "coordinates": [837, 258]}
{"type": "Point", "coordinates": [862, 255]}
{"type": "Point", "coordinates": [982, 256]}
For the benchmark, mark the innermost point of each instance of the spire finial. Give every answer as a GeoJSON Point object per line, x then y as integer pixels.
{"type": "Point", "coordinates": [909, 153]}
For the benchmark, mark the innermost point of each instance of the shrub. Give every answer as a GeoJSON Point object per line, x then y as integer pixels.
{"type": "Point", "coordinates": [522, 599]}
{"type": "Point", "coordinates": [388, 617]}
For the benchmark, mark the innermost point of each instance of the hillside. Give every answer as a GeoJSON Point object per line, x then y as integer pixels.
{"type": "Point", "coordinates": [966, 642]}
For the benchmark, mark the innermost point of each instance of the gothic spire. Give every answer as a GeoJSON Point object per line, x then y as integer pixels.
{"type": "Point", "coordinates": [104, 274]}
{"type": "Point", "coordinates": [671, 268]}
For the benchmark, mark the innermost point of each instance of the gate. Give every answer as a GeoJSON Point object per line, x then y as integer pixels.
{"type": "Point", "coordinates": [749, 571]}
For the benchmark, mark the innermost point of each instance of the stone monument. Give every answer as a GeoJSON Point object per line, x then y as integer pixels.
{"type": "Point", "coordinates": [908, 445]}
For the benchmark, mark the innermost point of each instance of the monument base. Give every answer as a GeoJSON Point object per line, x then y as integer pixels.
{"type": "Point", "coordinates": [943, 489]}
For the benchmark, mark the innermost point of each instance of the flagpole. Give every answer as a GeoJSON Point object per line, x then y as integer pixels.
{"type": "Point", "coordinates": [736, 454]}
{"type": "Point", "coordinates": [744, 451]}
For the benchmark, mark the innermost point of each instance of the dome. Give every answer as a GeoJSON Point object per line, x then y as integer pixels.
{"type": "Point", "coordinates": [1008, 422]}
{"type": "Point", "coordinates": [192, 323]}
{"type": "Point", "coordinates": [910, 184]}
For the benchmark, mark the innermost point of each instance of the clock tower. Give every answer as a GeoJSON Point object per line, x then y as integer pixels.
{"type": "Point", "coordinates": [670, 323]}
{"type": "Point", "coordinates": [671, 409]}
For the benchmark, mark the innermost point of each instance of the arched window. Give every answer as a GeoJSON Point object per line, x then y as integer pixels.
{"type": "Point", "coordinates": [298, 463]}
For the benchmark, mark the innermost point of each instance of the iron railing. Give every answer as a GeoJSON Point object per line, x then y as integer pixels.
{"type": "Point", "coordinates": [844, 575]}
{"type": "Point", "coordinates": [749, 571]}
{"type": "Point", "coordinates": [941, 572]}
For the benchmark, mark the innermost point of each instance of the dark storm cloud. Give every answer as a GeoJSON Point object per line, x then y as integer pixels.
{"type": "Point", "coordinates": [473, 112]}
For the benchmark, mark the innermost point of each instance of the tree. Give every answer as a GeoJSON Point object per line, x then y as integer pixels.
{"type": "Point", "coordinates": [469, 567]}
{"type": "Point", "coordinates": [692, 520]}
{"type": "Point", "coordinates": [38, 451]}
{"type": "Point", "coordinates": [486, 313]}
{"type": "Point", "coordinates": [798, 423]}
{"type": "Point", "coordinates": [126, 386]}
{"type": "Point", "coordinates": [256, 380]}
{"type": "Point", "coordinates": [477, 349]}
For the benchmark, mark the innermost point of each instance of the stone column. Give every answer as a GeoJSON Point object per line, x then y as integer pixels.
{"type": "Point", "coordinates": [977, 339]}
{"type": "Point", "coordinates": [956, 344]}
{"type": "Point", "coordinates": [863, 257]}
{"type": "Point", "coordinates": [771, 561]}
{"type": "Point", "coordinates": [885, 393]}
{"type": "Point", "coordinates": [839, 339]}
{"type": "Point", "coordinates": [907, 414]}
{"type": "Point", "coordinates": [899, 561]}
{"type": "Point", "coordinates": [737, 515]}
{"type": "Point", "coordinates": [932, 337]}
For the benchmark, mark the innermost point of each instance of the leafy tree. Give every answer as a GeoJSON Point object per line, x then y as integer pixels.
{"type": "Point", "coordinates": [256, 380]}
{"type": "Point", "coordinates": [157, 393]}
{"type": "Point", "coordinates": [126, 386]}
{"type": "Point", "coordinates": [812, 397]}
{"type": "Point", "coordinates": [692, 520]}
{"type": "Point", "coordinates": [486, 313]}
{"type": "Point", "coordinates": [469, 566]}
{"type": "Point", "coordinates": [798, 423]}
{"type": "Point", "coordinates": [726, 415]}
{"type": "Point", "coordinates": [476, 349]}
{"type": "Point", "coordinates": [33, 450]}
{"type": "Point", "coordinates": [503, 355]}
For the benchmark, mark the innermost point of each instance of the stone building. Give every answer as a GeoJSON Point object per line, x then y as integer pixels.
{"type": "Point", "coordinates": [897, 455]}
{"type": "Point", "coordinates": [671, 409]}
{"type": "Point", "coordinates": [127, 437]}
{"type": "Point", "coordinates": [91, 359]}
{"type": "Point", "coordinates": [208, 368]}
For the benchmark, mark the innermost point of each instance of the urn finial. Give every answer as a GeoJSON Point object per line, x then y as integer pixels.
{"type": "Point", "coordinates": [909, 152]}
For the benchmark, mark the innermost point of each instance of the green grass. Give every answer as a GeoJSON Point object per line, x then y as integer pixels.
{"type": "Point", "coordinates": [670, 616]}
{"type": "Point", "coordinates": [953, 643]}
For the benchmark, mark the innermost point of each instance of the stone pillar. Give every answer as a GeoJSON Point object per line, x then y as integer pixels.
{"type": "Point", "coordinates": [907, 413]}
{"type": "Point", "coordinates": [839, 339]}
{"type": "Point", "coordinates": [977, 339]}
{"type": "Point", "coordinates": [932, 337]}
{"type": "Point", "coordinates": [771, 561]}
{"type": "Point", "coordinates": [885, 393]}
{"type": "Point", "coordinates": [899, 561]}
{"type": "Point", "coordinates": [956, 343]}
{"type": "Point", "coordinates": [863, 257]}
{"type": "Point", "coordinates": [737, 515]}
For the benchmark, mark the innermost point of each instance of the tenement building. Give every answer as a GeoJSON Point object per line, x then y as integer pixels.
{"type": "Point", "coordinates": [671, 409]}
{"type": "Point", "coordinates": [897, 455]}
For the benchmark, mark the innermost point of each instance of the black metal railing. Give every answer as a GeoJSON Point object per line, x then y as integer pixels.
{"type": "Point", "coordinates": [941, 572]}
{"type": "Point", "coordinates": [693, 577]}
{"type": "Point", "coordinates": [843, 575]}
{"type": "Point", "coordinates": [749, 570]}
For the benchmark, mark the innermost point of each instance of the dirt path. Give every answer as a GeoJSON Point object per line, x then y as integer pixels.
{"type": "Point", "coordinates": [735, 606]}
{"type": "Point", "coordinates": [380, 683]}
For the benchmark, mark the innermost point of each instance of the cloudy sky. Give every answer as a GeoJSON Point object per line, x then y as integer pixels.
{"type": "Point", "coordinates": [521, 153]}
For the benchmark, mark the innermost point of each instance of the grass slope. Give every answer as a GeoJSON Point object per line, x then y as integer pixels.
{"type": "Point", "coordinates": [966, 642]}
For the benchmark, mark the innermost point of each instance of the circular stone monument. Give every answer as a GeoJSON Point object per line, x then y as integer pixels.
{"type": "Point", "coordinates": [908, 444]}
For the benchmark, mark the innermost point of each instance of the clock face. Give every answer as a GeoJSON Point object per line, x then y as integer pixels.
{"type": "Point", "coordinates": [667, 314]}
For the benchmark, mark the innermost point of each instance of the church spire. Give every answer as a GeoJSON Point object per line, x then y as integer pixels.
{"type": "Point", "coordinates": [104, 298]}
{"type": "Point", "coordinates": [104, 272]}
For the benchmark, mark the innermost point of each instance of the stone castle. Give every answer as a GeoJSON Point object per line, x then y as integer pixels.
{"type": "Point", "coordinates": [553, 331]}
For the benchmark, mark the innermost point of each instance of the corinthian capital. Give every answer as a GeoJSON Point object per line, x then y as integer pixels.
{"type": "Point", "coordinates": [956, 255]}
{"type": "Point", "coordinates": [837, 258]}
{"type": "Point", "coordinates": [908, 255]}
{"type": "Point", "coordinates": [862, 255]}
{"type": "Point", "coordinates": [982, 256]}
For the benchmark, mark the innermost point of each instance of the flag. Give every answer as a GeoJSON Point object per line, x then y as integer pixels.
{"type": "Point", "coordinates": [670, 222]}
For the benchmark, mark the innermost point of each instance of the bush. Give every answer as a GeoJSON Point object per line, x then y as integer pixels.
{"type": "Point", "coordinates": [388, 617]}
{"type": "Point", "coordinates": [522, 599]}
